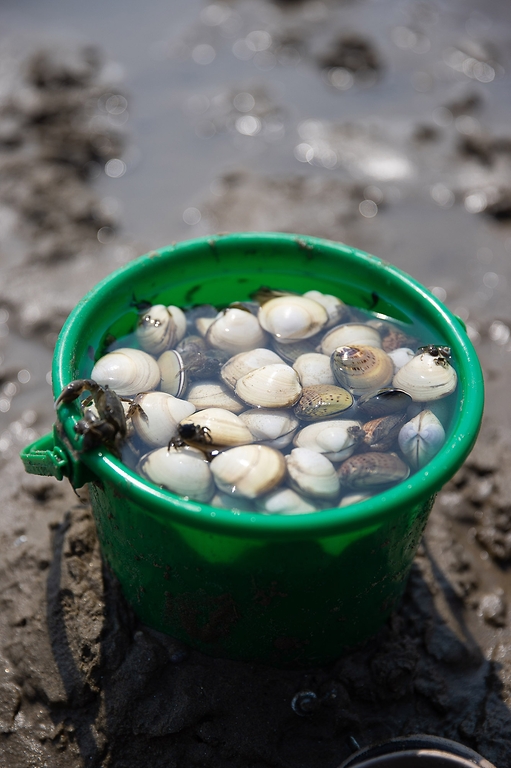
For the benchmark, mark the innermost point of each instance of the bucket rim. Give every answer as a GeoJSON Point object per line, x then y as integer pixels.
{"type": "Point", "coordinates": [417, 489]}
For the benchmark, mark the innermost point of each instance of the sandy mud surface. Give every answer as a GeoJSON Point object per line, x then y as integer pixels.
{"type": "Point", "coordinates": [82, 682]}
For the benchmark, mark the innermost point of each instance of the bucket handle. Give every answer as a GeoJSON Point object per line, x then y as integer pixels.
{"type": "Point", "coordinates": [50, 457]}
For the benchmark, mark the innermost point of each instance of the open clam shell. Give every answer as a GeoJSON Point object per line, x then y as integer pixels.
{"type": "Point", "coordinates": [421, 438]}
{"type": "Point", "coordinates": [249, 470]}
{"type": "Point", "coordinates": [288, 318]}
{"type": "Point", "coordinates": [127, 371]}
{"type": "Point", "coordinates": [312, 474]}
{"type": "Point", "coordinates": [181, 470]}
{"type": "Point", "coordinates": [362, 369]}
{"type": "Point", "coordinates": [272, 386]}
{"type": "Point", "coordinates": [426, 377]}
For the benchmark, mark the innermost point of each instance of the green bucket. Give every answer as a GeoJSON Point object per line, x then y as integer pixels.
{"type": "Point", "coordinates": [288, 590]}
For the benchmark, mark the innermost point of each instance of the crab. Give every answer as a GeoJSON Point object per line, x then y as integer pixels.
{"type": "Point", "coordinates": [442, 354]}
{"type": "Point", "coordinates": [110, 428]}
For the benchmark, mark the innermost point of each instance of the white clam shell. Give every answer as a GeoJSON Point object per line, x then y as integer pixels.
{"type": "Point", "coordinates": [335, 308]}
{"type": "Point", "coordinates": [350, 334]}
{"type": "Point", "coordinates": [314, 368]}
{"type": "Point", "coordinates": [213, 394]}
{"type": "Point", "coordinates": [202, 324]}
{"type": "Point", "coordinates": [285, 501]}
{"type": "Point", "coordinates": [156, 423]}
{"type": "Point", "coordinates": [156, 330]}
{"type": "Point", "coordinates": [330, 438]}
{"type": "Point", "coordinates": [272, 386]}
{"type": "Point", "coordinates": [424, 379]}
{"type": "Point", "coordinates": [235, 330]}
{"type": "Point", "coordinates": [183, 471]}
{"type": "Point", "coordinates": [173, 374]}
{"type": "Point", "coordinates": [244, 362]}
{"type": "Point", "coordinates": [249, 470]}
{"type": "Point", "coordinates": [354, 498]}
{"type": "Point", "coordinates": [312, 474]}
{"type": "Point", "coordinates": [421, 438]}
{"type": "Point", "coordinates": [223, 427]}
{"type": "Point", "coordinates": [127, 371]}
{"type": "Point", "coordinates": [274, 427]}
{"type": "Point", "coordinates": [179, 319]}
{"type": "Point", "coordinates": [292, 317]}
{"type": "Point", "coordinates": [401, 356]}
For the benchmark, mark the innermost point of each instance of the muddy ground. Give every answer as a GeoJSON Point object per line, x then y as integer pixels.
{"type": "Point", "coordinates": [83, 683]}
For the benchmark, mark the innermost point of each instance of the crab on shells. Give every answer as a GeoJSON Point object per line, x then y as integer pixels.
{"type": "Point", "coordinates": [331, 438]}
{"type": "Point", "coordinates": [285, 501]}
{"type": "Point", "coordinates": [350, 334]}
{"type": "Point", "coordinates": [274, 427]}
{"type": "Point", "coordinates": [312, 474]}
{"type": "Point", "coordinates": [362, 369]}
{"type": "Point", "coordinates": [372, 470]}
{"type": "Point", "coordinates": [160, 327]}
{"type": "Point", "coordinates": [127, 371]}
{"type": "Point", "coordinates": [314, 368]}
{"type": "Point", "coordinates": [271, 386]}
{"type": "Point", "coordinates": [426, 377]}
{"type": "Point", "coordinates": [335, 308]}
{"type": "Point", "coordinates": [288, 318]}
{"type": "Point", "coordinates": [155, 417]}
{"type": "Point", "coordinates": [214, 427]}
{"type": "Point", "coordinates": [421, 438]}
{"type": "Point", "coordinates": [213, 394]}
{"type": "Point", "coordinates": [183, 471]}
{"type": "Point", "coordinates": [321, 401]}
{"type": "Point", "coordinates": [248, 470]}
{"type": "Point", "coordinates": [244, 362]}
{"type": "Point", "coordinates": [235, 330]}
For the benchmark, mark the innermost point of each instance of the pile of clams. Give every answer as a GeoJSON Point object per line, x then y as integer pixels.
{"type": "Point", "coordinates": [283, 405]}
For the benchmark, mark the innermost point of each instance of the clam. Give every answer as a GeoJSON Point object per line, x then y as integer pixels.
{"type": "Point", "coordinates": [312, 474]}
{"type": "Point", "coordinates": [249, 470]}
{"type": "Point", "coordinates": [272, 386]}
{"type": "Point", "coordinates": [322, 401]}
{"type": "Point", "coordinates": [213, 394]}
{"type": "Point", "coordinates": [127, 371]}
{"type": "Point", "coordinates": [335, 308]}
{"type": "Point", "coordinates": [285, 501]}
{"type": "Point", "coordinates": [173, 373]}
{"type": "Point", "coordinates": [274, 427]}
{"type": "Point", "coordinates": [331, 438]}
{"type": "Point", "coordinates": [214, 427]}
{"type": "Point", "coordinates": [179, 319]}
{"type": "Point", "coordinates": [198, 312]}
{"type": "Point", "coordinates": [290, 351]}
{"type": "Point", "coordinates": [371, 470]}
{"type": "Point", "coordinates": [353, 498]}
{"type": "Point", "coordinates": [421, 438]}
{"type": "Point", "coordinates": [426, 377]}
{"type": "Point", "coordinates": [288, 318]}
{"type": "Point", "coordinates": [244, 362]}
{"type": "Point", "coordinates": [156, 329]}
{"type": "Point", "coordinates": [401, 356]}
{"type": "Point", "coordinates": [383, 402]}
{"type": "Point", "coordinates": [362, 369]}
{"type": "Point", "coordinates": [380, 434]}
{"type": "Point", "coordinates": [350, 334]}
{"type": "Point", "coordinates": [155, 417]}
{"type": "Point", "coordinates": [313, 368]}
{"type": "Point", "coordinates": [235, 330]}
{"type": "Point", "coordinates": [181, 470]}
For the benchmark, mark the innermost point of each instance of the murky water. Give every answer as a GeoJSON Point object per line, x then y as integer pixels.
{"type": "Point", "coordinates": [390, 151]}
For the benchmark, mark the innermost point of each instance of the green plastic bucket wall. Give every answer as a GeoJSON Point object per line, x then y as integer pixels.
{"type": "Point", "coordinates": [285, 590]}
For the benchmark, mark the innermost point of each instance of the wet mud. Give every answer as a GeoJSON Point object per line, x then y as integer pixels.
{"type": "Point", "coordinates": [82, 681]}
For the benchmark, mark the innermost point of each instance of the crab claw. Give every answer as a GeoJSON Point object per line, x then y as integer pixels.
{"type": "Point", "coordinates": [73, 390]}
